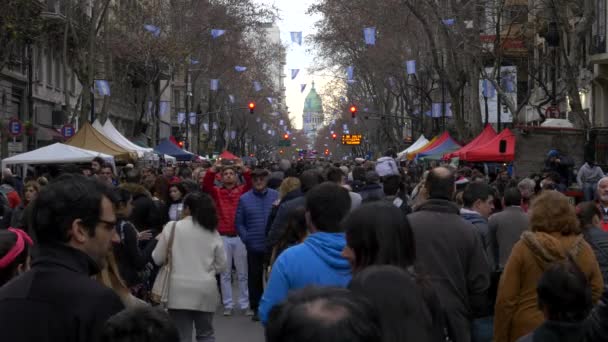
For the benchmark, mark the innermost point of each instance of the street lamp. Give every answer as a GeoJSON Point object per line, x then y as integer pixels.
{"type": "Point", "coordinates": [552, 39]}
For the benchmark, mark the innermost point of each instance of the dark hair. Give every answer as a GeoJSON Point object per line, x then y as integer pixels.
{"type": "Point", "coordinates": [296, 229]}
{"type": "Point", "coordinates": [512, 197]}
{"type": "Point", "coordinates": [440, 183]}
{"type": "Point", "coordinates": [140, 324]}
{"type": "Point", "coordinates": [133, 176]}
{"type": "Point", "coordinates": [9, 180]}
{"type": "Point", "coordinates": [405, 314]}
{"type": "Point", "coordinates": [323, 315]}
{"type": "Point", "coordinates": [99, 161]}
{"type": "Point", "coordinates": [202, 209]}
{"type": "Point", "coordinates": [392, 184]}
{"type": "Point", "coordinates": [185, 172]}
{"type": "Point", "coordinates": [564, 293]}
{"type": "Point", "coordinates": [327, 204]}
{"type": "Point", "coordinates": [121, 196]}
{"type": "Point", "coordinates": [476, 191]}
{"type": "Point", "coordinates": [68, 198]}
{"type": "Point", "coordinates": [8, 240]}
{"type": "Point", "coordinates": [180, 186]}
{"type": "Point", "coordinates": [359, 173]}
{"type": "Point", "coordinates": [585, 212]}
{"type": "Point", "coordinates": [309, 179]}
{"type": "Point", "coordinates": [379, 233]}
{"type": "Point", "coordinates": [335, 175]}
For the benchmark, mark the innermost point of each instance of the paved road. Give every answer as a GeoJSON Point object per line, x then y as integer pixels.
{"type": "Point", "coordinates": [237, 328]}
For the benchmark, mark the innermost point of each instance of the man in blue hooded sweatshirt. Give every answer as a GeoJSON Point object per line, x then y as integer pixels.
{"type": "Point", "coordinates": [318, 260]}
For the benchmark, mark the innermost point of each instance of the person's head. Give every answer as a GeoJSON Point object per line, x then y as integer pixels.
{"type": "Point", "coordinates": [96, 164]}
{"type": "Point", "coordinates": [552, 155]}
{"type": "Point", "coordinates": [478, 197]}
{"type": "Point", "coordinates": [563, 293]}
{"type": "Point", "coordinates": [141, 323]}
{"type": "Point", "coordinates": [106, 174]}
{"type": "Point", "coordinates": [30, 191]}
{"type": "Point", "coordinates": [335, 175]}
{"type": "Point", "coordinates": [372, 177]}
{"type": "Point", "coordinates": [202, 209]}
{"type": "Point", "coordinates": [284, 165]}
{"type": "Point", "coordinates": [123, 202]}
{"type": "Point", "coordinates": [42, 181]}
{"type": "Point", "coordinates": [590, 161]}
{"type": "Point", "coordinates": [326, 206]}
{"type": "Point", "coordinates": [9, 180]}
{"type": "Point", "coordinates": [399, 300]}
{"type": "Point", "coordinates": [552, 212]}
{"type": "Point", "coordinates": [526, 188]}
{"type": "Point", "coordinates": [503, 176]}
{"type": "Point", "coordinates": [323, 315]}
{"type": "Point", "coordinates": [440, 183]}
{"type": "Point", "coordinates": [288, 185]}
{"type": "Point", "coordinates": [185, 173]}
{"type": "Point", "coordinates": [391, 185]}
{"type": "Point", "coordinates": [177, 192]}
{"type": "Point", "coordinates": [87, 171]}
{"type": "Point", "coordinates": [6, 172]}
{"type": "Point", "coordinates": [259, 178]}
{"type": "Point", "coordinates": [309, 179]}
{"type": "Point", "coordinates": [229, 176]}
{"type": "Point", "coordinates": [512, 197]}
{"type": "Point", "coordinates": [589, 215]}
{"type": "Point", "coordinates": [169, 171]}
{"type": "Point", "coordinates": [76, 211]}
{"type": "Point", "coordinates": [378, 233]}
{"type": "Point", "coordinates": [14, 253]}
{"type": "Point", "coordinates": [602, 190]}
{"type": "Point", "coordinates": [359, 173]}
{"type": "Point", "coordinates": [296, 225]}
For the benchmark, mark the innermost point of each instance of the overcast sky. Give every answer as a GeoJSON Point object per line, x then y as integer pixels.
{"type": "Point", "coordinates": [294, 18]}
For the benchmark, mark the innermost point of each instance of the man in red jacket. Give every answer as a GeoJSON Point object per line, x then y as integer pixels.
{"type": "Point", "coordinates": [602, 199]}
{"type": "Point", "coordinates": [226, 199]}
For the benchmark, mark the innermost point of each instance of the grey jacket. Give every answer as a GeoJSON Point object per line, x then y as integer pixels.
{"type": "Point", "coordinates": [450, 253]}
{"type": "Point", "coordinates": [505, 229]}
{"type": "Point", "coordinates": [588, 174]}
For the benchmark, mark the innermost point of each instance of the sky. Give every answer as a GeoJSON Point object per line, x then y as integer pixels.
{"type": "Point", "coordinates": [293, 17]}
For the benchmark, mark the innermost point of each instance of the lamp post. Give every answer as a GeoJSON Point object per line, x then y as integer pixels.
{"type": "Point", "coordinates": [552, 39]}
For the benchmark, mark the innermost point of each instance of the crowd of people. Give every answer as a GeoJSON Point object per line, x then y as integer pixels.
{"type": "Point", "coordinates": [318, 250]}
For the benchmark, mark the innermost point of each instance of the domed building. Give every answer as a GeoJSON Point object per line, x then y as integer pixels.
{"type": "Point", "coordinates": [313, 117]}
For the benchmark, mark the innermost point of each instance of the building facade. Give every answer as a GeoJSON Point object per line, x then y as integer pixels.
{"type": "Point", "coordinates": [312, 117]}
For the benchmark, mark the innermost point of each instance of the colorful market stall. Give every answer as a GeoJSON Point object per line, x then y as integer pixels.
{"type": "Point", "coordinates": [416, 145]}
{"type": "Point", "coordinates": [437, 152]}
{"type": "Point", "coordinates": [500, 149]}
{"type": "Point", "coordinates": [431, 145]}
{"type": "Point", "coordinates": [483, 138]}
{"type": "Point", "coordinates": [110, 131]}
{"type": "Point", "coordinates": [167, 147]}
{"type": "Point", "coordinates": [411, 155]}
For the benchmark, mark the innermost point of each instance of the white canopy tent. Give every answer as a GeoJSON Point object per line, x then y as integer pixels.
{"type": "Point", "coordinates": [57, 153]}
{"type": "Point", "coordinates": [415, 146]}
{"type": "Point", "coordinates": [113, 134]}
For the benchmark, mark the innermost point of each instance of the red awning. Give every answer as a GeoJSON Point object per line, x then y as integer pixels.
{"type": "Point", "coordinates": [490, 152]}
{"type": "Point", "coordinates": [483, 138]}
{"type": "Point", "coordinates": [228, 155]}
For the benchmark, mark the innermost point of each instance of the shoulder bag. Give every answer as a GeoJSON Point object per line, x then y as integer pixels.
{"type": "Point", "coordinates": [160, 289]}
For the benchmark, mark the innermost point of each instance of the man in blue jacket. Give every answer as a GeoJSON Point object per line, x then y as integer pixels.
{"type": "Point", "coordinates": [251, 218]}
{"type": "Point", "coordinates": [318, 260]}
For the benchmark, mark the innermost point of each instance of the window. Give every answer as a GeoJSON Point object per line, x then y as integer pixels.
{"type": "Point", "coordinates": [58, 73]}
{"type": "Point", "coordinates": [49, 67]}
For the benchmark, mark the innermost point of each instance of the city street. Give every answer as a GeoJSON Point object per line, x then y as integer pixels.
{"type": "Point", "coordinates": [237, 328]}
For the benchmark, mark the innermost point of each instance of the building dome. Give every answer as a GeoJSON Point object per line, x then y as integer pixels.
{"type": "Point", "coordinates": [313, 101]}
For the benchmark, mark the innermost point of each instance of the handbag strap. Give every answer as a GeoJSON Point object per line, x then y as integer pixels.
{"type": "Point", "coordinates": [170, 245]}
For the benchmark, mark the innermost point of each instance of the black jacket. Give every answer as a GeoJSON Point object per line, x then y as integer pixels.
{"type": "Point", "coordinates": [278, 220]}
{"type": "Point", "coordinates": [598, 240]}
{"type": "Point", "coordinates": [553, 331]}
{"type": "Point", "coordinates": [129, 257]}
{"type": "Point", "coordinates": [596, 325]}
{"type": "Point", "coordinates": [450, 252]}
{"type": "Point", "coordinates": [56, 300]}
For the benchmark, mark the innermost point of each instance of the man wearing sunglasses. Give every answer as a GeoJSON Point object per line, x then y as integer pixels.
{"type": "Point", "coordinates": [57, 300]}
{"type": "Point", "coordinates": [251, 219]}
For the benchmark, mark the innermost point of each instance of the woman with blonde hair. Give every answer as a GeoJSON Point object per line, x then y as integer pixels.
{"type": "Point", "coordinates": [554, 236]}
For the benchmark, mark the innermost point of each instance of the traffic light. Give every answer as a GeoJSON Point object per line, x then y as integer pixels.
{"type": "Point", "coordinates": [334, 136]}
{"type": "Point", "coordinates": [251, 107]}
{"type": "Point", "coordinates": [326, 151]}
{"type": "Point", "coordinates": [353, 111]}
{"type": "Point", "coordinates": [286, 136]}
{"type": "Point", "coordinates": [281, 151]}
{"type": "Point", "coordinates": [180, 143]}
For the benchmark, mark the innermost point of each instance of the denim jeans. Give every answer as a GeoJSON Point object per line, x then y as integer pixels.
{"type": "Point", "coordinates": [482, 329]}
{"type": "Point", "coordinates": [235, 251]}
{"type": "Point", "coordinates": [589, 191]}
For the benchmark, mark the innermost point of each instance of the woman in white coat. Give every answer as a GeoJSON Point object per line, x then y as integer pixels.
{"type": "Point", "coordinates": [197, 256]}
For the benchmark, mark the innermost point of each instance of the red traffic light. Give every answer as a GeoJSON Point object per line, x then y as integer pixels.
{"type": "Point", "coordinates": [334, 136]}
{"type": "Point", "coordinates": [251, 107]}
{"type": "Point", "coordinates": [326, 151]}
{"type": "Point", "coordinates": [353, 111]}
{"type": "Point", "coordinates": [181, 144]}
{"type": "Point", "coordinates": [286, 136]}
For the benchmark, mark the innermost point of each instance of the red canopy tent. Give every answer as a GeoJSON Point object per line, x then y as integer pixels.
{"type": "Point", "coordinates": [228, 155]}
{"type": "Point", "coordinates": [491, 151]}
{"type": "Point", "coordinates": [483, 138]}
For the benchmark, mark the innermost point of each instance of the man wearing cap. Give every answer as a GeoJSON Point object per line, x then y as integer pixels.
{"type": "Point", "coordinates": [251, 220]}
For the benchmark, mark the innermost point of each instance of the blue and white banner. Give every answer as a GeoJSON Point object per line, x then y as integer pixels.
{"type": "Point", "coordinates": [257, 86]}
{"type": "Point", "coordinates": [155, 30]}
{"type": "Point", "coordinates": [294, 73]}
{"type": "Point", "coordinates": [296, 37]}
{"type": "Point", "coordinates": [206, 127]}
{"type": "Point", "coordinates": [194, 61]}
{"type": "Point", "coordinates": [488, 89]}
{"type": "Point", "coordinates": [164, 108]}
{"type": "Point", "coordinates": [239, 68]}
{"type": "Point", "coordinates": [215, 125]}
{"type": "Point", "coordinates": [192, 118]}
{"type": "Point", "coordinates": [181, 118]}
{"type": "Point", "coordinates": [411, 67]}
{"type": "Point", "coordinates": [302, 87]}
{"type": "Point", "coordinates": [270, 100]}
{"type": "Point", "coordinates": [281, 122]}
{"type": "Point", "coordinates": [345, 127]}
{"type": "Point", "coordinates": [103, 87]}
{"type": "Point", "coordinates": [264, 125]}
{"type": "Point", "coordinates": [369, 33]}
{"type": "Point", "coordinates": [350, 70]}
{"type": "Point", "coordinates": [448, 22]}
{"type": "Point", "coordinates": [231, 98]}
{"type": "Point", "coordinates": [214, 84]}
{"type": "Point", "coordinates": [437, 110]}
{"type": "Point", "coordinates": [258, 119]}
{"type": "Point", "coordinates": [215, 33]}
{"type": "Point", "coordinates": [232, 134]}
